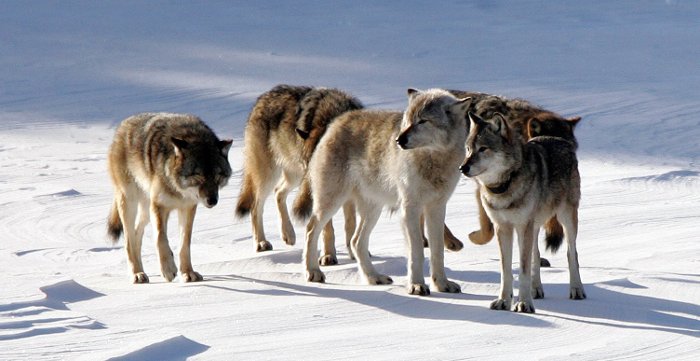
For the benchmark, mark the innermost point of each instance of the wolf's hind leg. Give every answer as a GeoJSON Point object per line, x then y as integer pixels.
{"type": "Point", "coordinates": [569, 220]}
{"type": "Point", "coordinates": [537, 289]}
{"type": "Point", "coordinates": [329, 257]}
{"type": "Point", "coordinates": [285, 185]}
{"type": "Point", "coordinates": [186, 218]}
{"type": "Point", "coordinates": [262, 191]}
{"type": "Point", "coordinates": [350, 225]}
{"type": "Point", "coordinates": [127, 208]}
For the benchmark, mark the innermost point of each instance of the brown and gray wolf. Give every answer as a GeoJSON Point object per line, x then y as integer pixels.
{"type": "Point", "coordinates": [283, 129]}
{"type": "Point", "coordinates": [522, 185]}
{"type": "Point", "coordinates": [530, 121]}
{"type": "Point", "coordinates": [407, 161]}
{"type": "Point", "coordinates": [161, 162]}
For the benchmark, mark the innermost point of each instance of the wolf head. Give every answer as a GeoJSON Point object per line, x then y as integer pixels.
{"type": "Point", "coordinates": [553, 125]}
{"type": "Point", "coordinates": [316, 110]}
{"type": "Point", "coordinates": [493, 148]}
{"type": "Point", "coordinates": [202, 168]}
{"type": "Point", "coordinates": [431, 119]}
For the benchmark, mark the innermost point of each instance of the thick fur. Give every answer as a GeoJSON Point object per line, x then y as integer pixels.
{"type": "Point", "coordinates": [283, 129]}
{"type": "Point", "coordinates": [522, 185]}
{"type": "Point", "coordinates": [403, 161]}
{"type": "Point", "coordinates": [530, 121]}
{"type": "Point", "coordinates": [161, 162]}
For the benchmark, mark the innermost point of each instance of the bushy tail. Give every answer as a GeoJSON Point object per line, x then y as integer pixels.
{"type": "Point", "coordinates": [246, 198]}
{"type": "Point", "coordinates": [114, 223]}
{"type": "Point", "coordinates": [554, 234]}
{"type": "Point", "coordinates": [303, 204]}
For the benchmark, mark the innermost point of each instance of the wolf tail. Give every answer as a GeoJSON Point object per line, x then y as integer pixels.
{"type": "Point", "coordinates": [303, 204]}
{"type": "Point", "coordinates": [554, 234]}
{"type": "Point", "coordinates": [246, 198]}
{"type": "Point", "coordinates": [114, 223]}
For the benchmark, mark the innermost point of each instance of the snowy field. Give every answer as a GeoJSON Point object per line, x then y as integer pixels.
{"type": "Point", "coordinates": [71, 71]}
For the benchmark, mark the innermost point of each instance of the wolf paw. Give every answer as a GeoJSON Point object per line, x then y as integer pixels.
{"type": "Point", "coordinates": [169, 270]}
{"type": "Point", "coordinates": [379, 280]}
{"type": "Point", "coordinates": [328, 260]}
{"type": "Point", "coordinates": [454, 245]}
{"type": "Point", "coordinates": [263, 246]}
{"type": "Point", "coordinates": [448, 286]}
{"type": "Point", "coordinates": [477, 237]}
{"type": "Point", "coordinates": [538, 292]}
{"type": "Point", "coordinates": [139, 277]}
{"type": "Point", "coordinates": [418, 289]}
{"type": "Point", "coordinates": [577, 293]}
{"type": "Point", "coordinates": [500, 304]}
{"type": "Point", "coordinates": [191, 276]}
{"type": "Point", "coordinates": [315, 276]}
{"type": "Point", "coordinates": [524, 307]}
{"type": "Point", "coordinates": [289, 238]}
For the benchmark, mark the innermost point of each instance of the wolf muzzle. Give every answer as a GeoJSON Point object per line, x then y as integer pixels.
{"type": "Point", "coordinates": [464, 168]}
{"type": "Point", "coordinates": [211, 201]}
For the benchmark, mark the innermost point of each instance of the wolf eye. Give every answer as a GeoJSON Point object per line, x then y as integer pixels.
{"type": "Point", "coordinates": [483, 149]}
{"type": "Point", "coordinates": [422, 121]}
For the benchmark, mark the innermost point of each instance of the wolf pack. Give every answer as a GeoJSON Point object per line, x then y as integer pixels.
{"type": "Point", "coordinates": [323, 143]}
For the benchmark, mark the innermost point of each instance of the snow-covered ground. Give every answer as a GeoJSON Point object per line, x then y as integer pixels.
{"type": "Point", "coordinates": [71, 70]}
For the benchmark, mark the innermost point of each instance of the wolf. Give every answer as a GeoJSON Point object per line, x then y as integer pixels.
{"type": "Point", "coordinates": [281, 134]}
{"type": "Point", "coordinates": [407, 161]}
{"type": "Point", "coordinates": [159, 162]}
{"type": "Point", "coordinates": [522, 185]}
{"type": "Point", "coordinates": [530, 121]}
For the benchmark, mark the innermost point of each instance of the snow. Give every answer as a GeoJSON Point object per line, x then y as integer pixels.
{"type": "Point", "coordinates": [71, 70]}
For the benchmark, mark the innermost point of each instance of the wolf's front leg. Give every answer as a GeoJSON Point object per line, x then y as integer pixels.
{"type": "Point", "coordinates": [414, 244]}
{"type": "Point", "coordinates": [505, 243]}
{"type": "Point", "coordinates": [435, 224]}
{"type": "Point", "coordinates": [159, 218]}
{"type": "Point", "coordinates": [186, 218]}
{"type": "Point", "coordinates": [526, 239]}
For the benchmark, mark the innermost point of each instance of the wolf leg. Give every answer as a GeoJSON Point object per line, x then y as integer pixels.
{"type": "Point", "coordinates": [186, 218]}
{"type": "Point", "coordinates": [526, 239]}
{"type": "Point", "coordinates": [369, 215]}
{"type": "Point", "coordinates": [127, 209]}
{"type": "Point", "coordinates": [505, 243]}
{"type": "Point", "coordinates": [256, 212]}
{"type": "Point", "coordinates": [285, 185]}
{"type": "Point", "coordinates": [414, 244]}
{"type": "Point", "coordinates": [537, 289]}
{"type": "Point", "coordinates": [329, 257]}
{"type": "Point", "coordinates": [350, 225]}
{"type": "Point", "coordinates": [569, 219]}
{"type": "Point", "coordinates": [159, 218]}
{"type": "Point", "coordinates": [485, 232]}
{"type": "Point", "coordinates": [451, 242]}
{"type": "Point", "coordinates": [435, 224]}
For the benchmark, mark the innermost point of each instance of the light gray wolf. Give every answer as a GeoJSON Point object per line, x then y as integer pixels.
{"type": "Point", "coordinates": [522, 185]}
{"type": "Point", "coordinates": [161, 162]}
{"type": "Point", "coordinates": [281, 134]}
{"type": "Point", "coordinates": [407, 161]}
{"type": "Point", "coordinates": [530, 121]}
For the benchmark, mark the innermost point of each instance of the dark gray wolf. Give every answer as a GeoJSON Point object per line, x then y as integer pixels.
{"type": "Point", "coordinates": [161, 162]}
{"type": "Point", "coordinates": [522, 185]}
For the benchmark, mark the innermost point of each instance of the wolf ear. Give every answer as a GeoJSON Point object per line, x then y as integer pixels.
{"type": "Point", "coordinates": [225, 145]}
{"type": "Point", "coordinates": [500, 126]}
{"type": "Point", "coordinates": [534, 128]}
{"type": "Point", "coordinates": [302, 133]}
{"type": "Point", "coordinates": [475, 120]}
{"type": "Point", "coordinates": [179, 145]}
{"type": "Point", "coordinates": [460, 107]}
{"type": "Point", "coordinates": [573, 121]}
{"type": "Point", "coordinates": [412, 93]}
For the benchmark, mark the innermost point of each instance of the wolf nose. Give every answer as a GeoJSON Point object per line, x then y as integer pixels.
{"type": "Point", "coordinates": [464, 169]}
{"type": "Point", "coordinates": [212, 201]}
{"type": "Point", "coordinates": [402, 140]}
